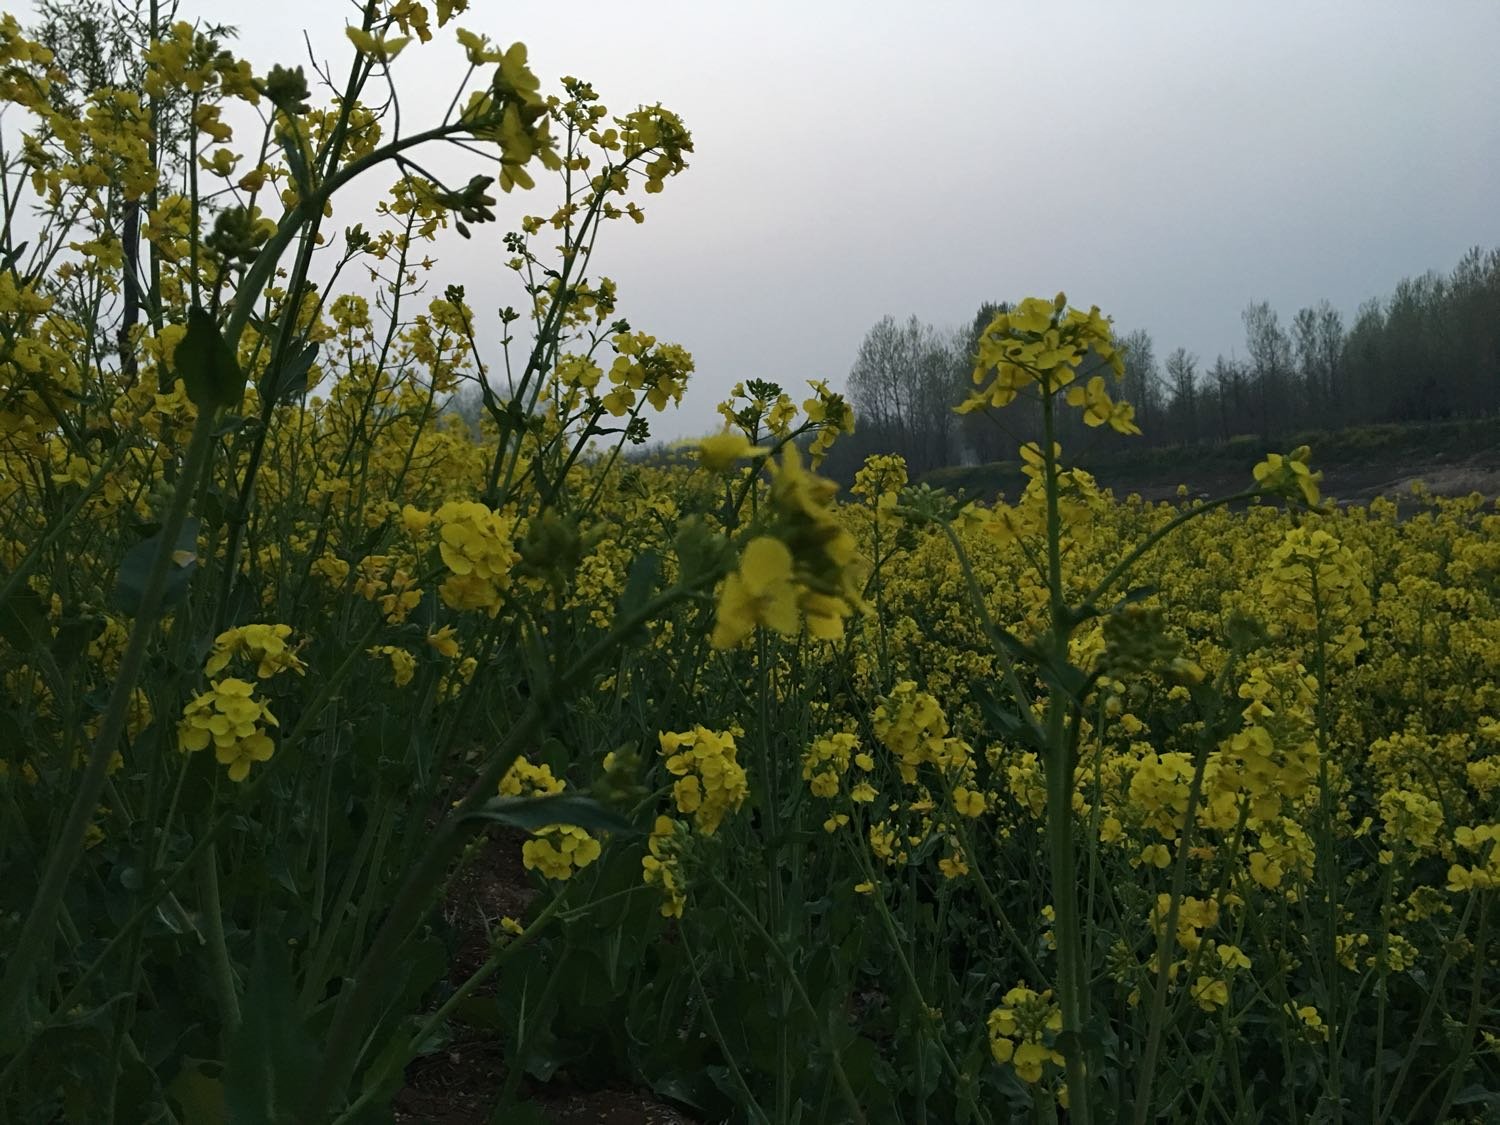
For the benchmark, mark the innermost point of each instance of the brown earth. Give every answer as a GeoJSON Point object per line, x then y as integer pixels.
{"type": "Point", "coordinates": [460, 1084]}
{"type": "Point", "coordinates": [1351, 483]}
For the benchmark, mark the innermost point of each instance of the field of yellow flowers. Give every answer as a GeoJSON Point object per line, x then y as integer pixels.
{"type": "Point", "coordinates": [877, 807]}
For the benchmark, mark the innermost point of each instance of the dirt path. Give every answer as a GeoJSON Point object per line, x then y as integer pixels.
{"type": "Point", "coordinates": [460, 1084]}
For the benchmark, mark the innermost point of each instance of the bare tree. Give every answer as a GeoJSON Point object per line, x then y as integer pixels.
{"type": "Point", "coordinates": [903, 386]}
{"type": "Point", "coordinates": [1270, 360]}
{"type": "Point", "coordinates": [1142, 387]}
{"type": "Point", "coordinates": [1182, 385]}
{"type": "Point", "coordinates": [1318, 337]}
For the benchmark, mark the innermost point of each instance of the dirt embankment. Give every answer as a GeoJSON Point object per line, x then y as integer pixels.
{"type": "Point", "coordinates": [1352, 483]}
{"type": "Point", "coordinates": [1453, 458]}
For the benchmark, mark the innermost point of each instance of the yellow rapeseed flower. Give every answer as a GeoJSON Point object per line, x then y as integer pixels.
{"type": "Point", "coordinates": [761, 592]}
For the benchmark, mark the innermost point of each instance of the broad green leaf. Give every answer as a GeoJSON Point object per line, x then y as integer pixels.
{"type": "Point", "coordinates": [206, 364]}
{"type": "Point", "coordinates": [73, 637]}
{"type": "Point", "coordinates": [1476, 1094]}
{"type": "Point", "coordinates": [387, 1071]}
{"type": "Point", "coordinates": [271, 1058]}
{"type": "Point", "coordinates": [640, 582]}
{"type": "Point", "coordinates": [565, 808]}
{"type": "Point", "coordinates": [288, 379]}
{"type": "Point", "coordinates": [197, 1093]}
{"type": "Point", "coordinates": [23, 620]}
{"type": "Point", "coordinates": [130, 582]}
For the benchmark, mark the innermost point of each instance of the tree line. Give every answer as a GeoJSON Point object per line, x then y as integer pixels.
{"type": "Point", "coordinates": [1431, 350]}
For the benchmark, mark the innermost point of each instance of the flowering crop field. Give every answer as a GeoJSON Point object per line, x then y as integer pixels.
{"type": "Point", "coordinates": [884, 806]}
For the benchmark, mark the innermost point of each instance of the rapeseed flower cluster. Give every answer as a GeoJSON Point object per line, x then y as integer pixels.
{"type": "Point", "coordinates": [1484, 874]}
{"type": "Point", "coordinates": [403, 664]}
{"type": "Point", "coordinates": [805, 575]}
{"type": "Point", "coordinates": [710, 783]}
{"type": "Point", "coordinates": [1040, 345]}
{"type": "Point", "coordinates": [641, 364]}
{"type": "Point", "coordinates": [527, 779]}
{"type": "Point", "coordinates": [1314, 583]}
{"type": "Point", "coordinates": [229, 715]}
{"type": "Point", "coordinates": [477, 546]}
{"type": "Point", "coordinates": [1021, 1031]}
{"type": "Point", "coordinates": [1289, 475]}
{"type": "Point", "coordinates": [558, 851]}
{"type": "Point", "coordinates": [827, 760]}
{"type": "Point", "coordinates": [880, 480]}
{"type": "Point", "coordinates": [263, 646]}
{"type": "Point", "coordinates": [230, 718]}
{"type": "Point", "coordinates": [912, 726]}
{"type": "Point", "coordinates": [662, 866]}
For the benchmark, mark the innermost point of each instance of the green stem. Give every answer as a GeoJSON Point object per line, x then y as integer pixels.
{"type": "Point", "coordinates": [1072, 988]}
{"type": "Point", "coordinates": [1418, 1035]}
{"type": "Point", "coordinates": [492, 964]}
{"type": "Point", "coordinates": [841, 1077]}
{"type": "Point", "coordinates": [898, 945]}
{"type": "Point", "coordinates": [1000, 641]}
{"type": "Point", "coordinates": [163, 890]}
{"type": "Point", "coordinates": [1195, 512]}
{"type": "Point", "coordinates": [213, 928]}
{"type": "Point", "coordinates": [1471, 1025]}
{"type": "Point", "coordinates": [1166, 945]}
{"type": "Point", "coordinates": [771, 843]}
{"type": "Point", "coordinates": [358, 1002]}
{"type": "Point", "coordinates": [36, 933]}
{"type": "Point", "coordinates": [327, 930]}
{"type": "Point", "coordinates": [758, 1115]}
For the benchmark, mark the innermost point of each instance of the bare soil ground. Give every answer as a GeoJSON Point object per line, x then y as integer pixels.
{"type": "Point", "coordinates": [460, 1084]}
{"type": "Point", "coordinates": [1451, 458]}
{"type": "Point", "coordinates": [1356, 482]}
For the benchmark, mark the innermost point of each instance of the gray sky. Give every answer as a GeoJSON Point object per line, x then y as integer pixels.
{"type": "Point", "coordinates": [1169, 162]}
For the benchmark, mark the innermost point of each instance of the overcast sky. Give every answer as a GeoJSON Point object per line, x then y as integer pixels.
{"type": "Point", "coordinates": [1169, 162]}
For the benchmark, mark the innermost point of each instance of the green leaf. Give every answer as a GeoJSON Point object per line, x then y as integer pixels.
{"type": "Point", "coordinates": [387, 1071]}
{"type": "Point", "coordinates": [130, 582]}
{"type": "Point", "coordinates": [11, 734]}
{"type": "Point", "coordinates": [197, 1093]}
{"type": "Point", "coordinates": [296, 159]}
{"type": "Point", "coordinates": [288, 379]}
{"type": "Point", "coordinates": [136, 1092]}
{"type": "Point", "coordinates": [871, 1076]}
{"type": "Point", "coordinates": [11, 255]}
{"type": "Point", "coordinates": [689, 1089]}
{"type": "Point", "coordinates": [73, 637]}
{"type": "Point", "coordinates": [565, 808]}
{"type": "Point", "coordinates": [640, 582]}
{"type": "Point", "coordinates": [1004, 716]}
{"type": "Point", "coordinates": [1475, 1094]}
{"type": "Point", "coordinates": [23, 620]}
{"type": "Point", "coordinates": [271, 1057]}
{"type": "Point", "coordinates": [700, 549]}
{"type": "Point", "coordinates": [206, 364]}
